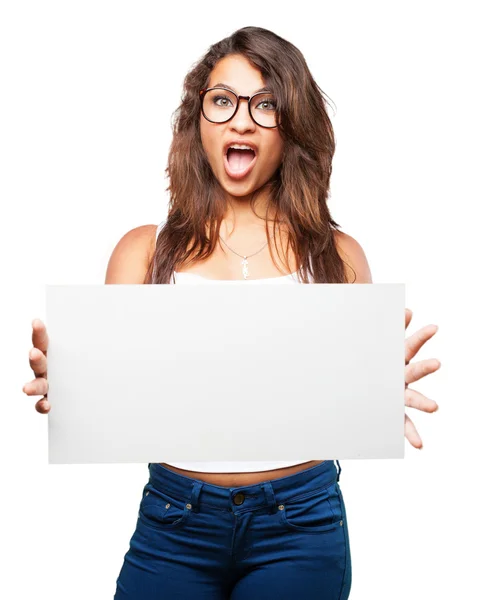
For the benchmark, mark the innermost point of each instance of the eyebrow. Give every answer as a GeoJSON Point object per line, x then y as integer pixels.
{"type": "Point", "coordinates": [263, 89]}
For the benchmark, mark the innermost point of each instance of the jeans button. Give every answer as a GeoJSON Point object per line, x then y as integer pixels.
{"type": "Point", "coordinates": [238, 498]}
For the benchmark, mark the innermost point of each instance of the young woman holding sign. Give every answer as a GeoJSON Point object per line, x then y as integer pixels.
{"type": "Point", "coordinates": [249, 170]}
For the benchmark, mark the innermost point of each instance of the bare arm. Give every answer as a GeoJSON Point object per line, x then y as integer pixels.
{"type": "Point", "coordinates": [352, 253]}
{"type": "Point", "coordinates": [131, 256]}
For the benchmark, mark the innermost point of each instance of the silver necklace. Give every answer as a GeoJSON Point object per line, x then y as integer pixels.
{"type": "Point", "coordinates": [244, 262]}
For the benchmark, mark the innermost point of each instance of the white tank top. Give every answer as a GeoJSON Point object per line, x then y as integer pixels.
{"type": "Point", "coordinates": [229, 466]}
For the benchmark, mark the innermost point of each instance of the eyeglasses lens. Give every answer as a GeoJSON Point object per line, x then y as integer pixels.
{"type": "Point", "coordinates": [219, 106]}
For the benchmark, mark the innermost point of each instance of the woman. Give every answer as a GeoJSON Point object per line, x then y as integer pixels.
{"type": "Point", "coordinates": [249, 171]}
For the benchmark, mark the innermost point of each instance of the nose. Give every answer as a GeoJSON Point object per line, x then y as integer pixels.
{"type": "Point", "coordinates": [242, 120]}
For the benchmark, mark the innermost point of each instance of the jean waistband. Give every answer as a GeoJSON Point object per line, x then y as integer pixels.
{"type": "Point", "coordinates": [247, 497]}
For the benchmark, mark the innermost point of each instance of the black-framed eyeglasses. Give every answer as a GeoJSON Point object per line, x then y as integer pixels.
{"type": "Point", "coordinates": [220, 105]}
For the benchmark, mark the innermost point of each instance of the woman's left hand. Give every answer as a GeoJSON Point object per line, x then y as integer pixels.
{"type": "Point", "coordinates": [414, 372]}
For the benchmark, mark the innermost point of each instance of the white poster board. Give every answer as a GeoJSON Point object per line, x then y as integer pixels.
{"type": "Point", "coordinates": [165, 373]}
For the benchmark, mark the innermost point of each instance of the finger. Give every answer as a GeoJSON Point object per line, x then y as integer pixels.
{"type": "Point", "coordinates": [413, 343]}
{"type": "Point", "coordinates": [417, 370]}
{"type": "Point", "coordinates": [408, 316]}
{"type": "Point", "coordinates": [415, 399]}
{"type": "Point", "coordinates": [38, 362]}
{"type": "Point", "coordinates": [411, 433]}
{"type": "Point", "coordinates": [43, 406]}
{"type": "Point", "coordinates": [36, 387]}
{"type": "Point", "coordinates": [40, 338]}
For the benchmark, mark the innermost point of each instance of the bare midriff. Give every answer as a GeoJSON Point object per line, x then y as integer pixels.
{"type": "Point", "coordinates": [239, 479]}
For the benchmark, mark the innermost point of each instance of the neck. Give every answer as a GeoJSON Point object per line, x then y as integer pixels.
{"type": "Point", "coordinates": [241, 213]}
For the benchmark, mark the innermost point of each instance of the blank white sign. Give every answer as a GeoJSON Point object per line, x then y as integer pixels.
{"type": "Point", "coordinates": [165, 373]}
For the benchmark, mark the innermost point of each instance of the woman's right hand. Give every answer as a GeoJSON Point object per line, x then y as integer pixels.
{"type": "Point", "coordinates": [38, 363]}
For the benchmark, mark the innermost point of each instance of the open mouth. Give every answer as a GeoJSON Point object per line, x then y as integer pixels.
{"type": "Point", "coordinates": [239, 163]}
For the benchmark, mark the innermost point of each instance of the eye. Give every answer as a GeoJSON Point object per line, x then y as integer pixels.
{"type": "Point", "coordinates": [272, 104]}
{"type": "Point", "coordinates": [215, 98]}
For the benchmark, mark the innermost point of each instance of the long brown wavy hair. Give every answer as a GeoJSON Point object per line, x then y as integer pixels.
{"type": "Point", "coordinates": [299, 189]}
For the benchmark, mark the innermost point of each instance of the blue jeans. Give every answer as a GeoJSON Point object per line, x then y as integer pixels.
{"type": "Point", "coordinates": [281, 539]}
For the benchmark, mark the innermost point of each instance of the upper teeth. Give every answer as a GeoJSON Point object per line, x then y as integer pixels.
{"type": "Point", "coordinates": [240, 147]}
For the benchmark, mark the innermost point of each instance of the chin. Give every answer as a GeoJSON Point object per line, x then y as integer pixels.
{"type": "Point", "coordinates": [238, 188]}
{"type": "Point", "coordinates": [240, 191]}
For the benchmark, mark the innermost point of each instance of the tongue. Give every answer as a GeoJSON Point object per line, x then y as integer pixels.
{"type": "Point", "coordinates": [239, 159]}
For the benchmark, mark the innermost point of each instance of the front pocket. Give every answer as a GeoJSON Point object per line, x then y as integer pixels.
{"type": "Point", "coordinates": [313, 513]}
{"type": "Point", "coordinates": [159, 510]}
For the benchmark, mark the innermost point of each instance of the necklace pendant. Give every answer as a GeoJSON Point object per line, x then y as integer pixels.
{"type": "Point", "coordinates": [244, 262]}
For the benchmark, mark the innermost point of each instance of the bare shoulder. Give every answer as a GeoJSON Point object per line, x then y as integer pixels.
{"type": "Point", "coordinates": [352, 253]}
{"type": "Point", "coordinates": [131, 256]}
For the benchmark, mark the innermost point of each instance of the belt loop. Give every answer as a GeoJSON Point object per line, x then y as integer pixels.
{"type": "Point", "coordinates": [270, 497]}
{"type": "Point", "coordinates": [339, 471]}
{"type": "Point", "coordinates": [194, 494]}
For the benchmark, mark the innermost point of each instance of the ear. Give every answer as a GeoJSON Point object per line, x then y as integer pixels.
{"type": "Point", "coordinates": [351, 252]}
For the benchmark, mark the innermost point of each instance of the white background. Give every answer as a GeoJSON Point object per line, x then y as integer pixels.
{"type": "Point", "coordinates": [88, 89]}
